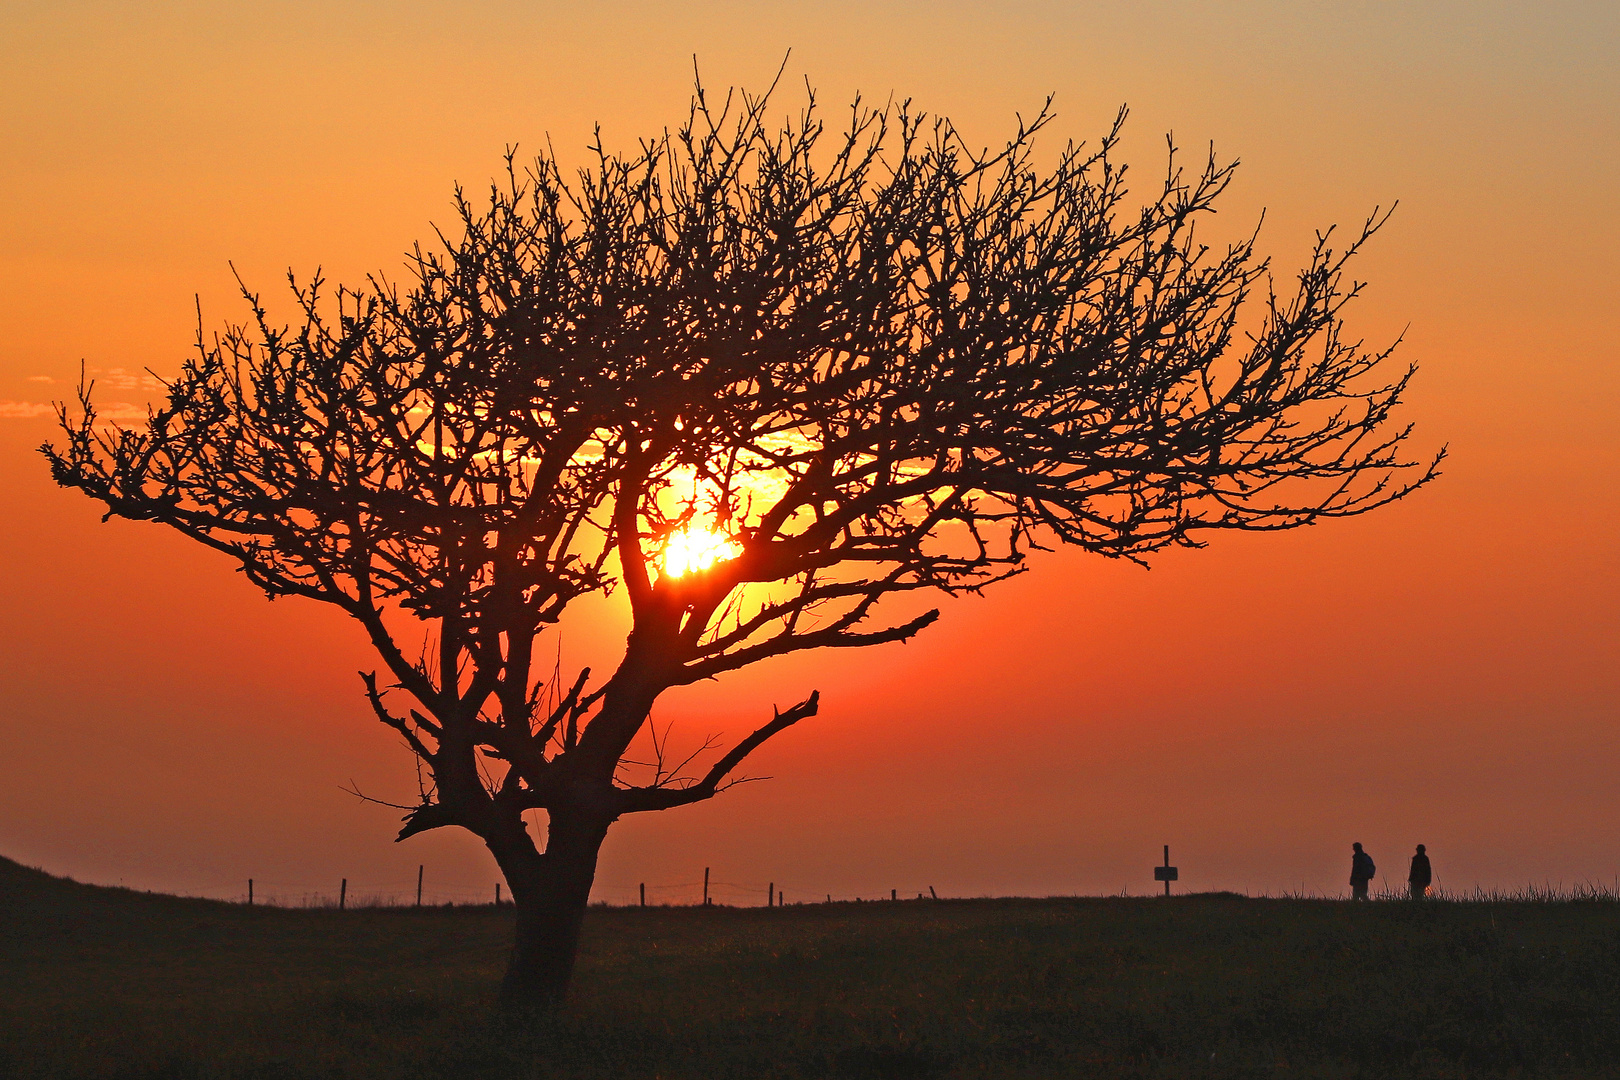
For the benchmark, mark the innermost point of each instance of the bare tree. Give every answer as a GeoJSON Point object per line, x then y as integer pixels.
{"type": "Point", "coordinates": [762, 379]}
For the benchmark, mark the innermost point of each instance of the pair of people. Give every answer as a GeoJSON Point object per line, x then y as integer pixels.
{"type": "Point", "coordinates": [1362, 871]}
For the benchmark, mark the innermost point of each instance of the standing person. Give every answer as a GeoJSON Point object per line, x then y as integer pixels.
{"type": "Point", "coordinates": [1361, 872]}
{"type": "Point", "coordinates": [1418, 880]}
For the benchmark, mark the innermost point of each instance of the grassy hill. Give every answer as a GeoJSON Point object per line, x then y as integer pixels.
{"type": "Point", "coordinates": [114, 984]}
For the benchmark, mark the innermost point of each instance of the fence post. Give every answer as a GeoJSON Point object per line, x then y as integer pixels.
{"type": "Point", "coordinates": [705, 886]}
{"type": "Point", "coordinates": [419, 886]}
{"type": "Point", "coordinates": [894, 894]}
{"type": "Point", "coordinates": [643, 894]}
{"type": "Point", "coordinates": [250, 892]}
{"type": "Point", "coordinates": [343, 894]}
{"type": "Point", "coordinates": [497, 894]}
{"type": "Point", "coordinates": [770, 895]}
{"type": "Point", "coordinates": [932, 893]}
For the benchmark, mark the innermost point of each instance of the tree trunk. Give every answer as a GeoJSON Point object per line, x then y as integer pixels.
{"type": "Point", "coordinates": [550, 893]}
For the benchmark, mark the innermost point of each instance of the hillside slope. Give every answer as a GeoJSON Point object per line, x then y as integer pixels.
{"type": "Point", "coordinates": [117, 985]}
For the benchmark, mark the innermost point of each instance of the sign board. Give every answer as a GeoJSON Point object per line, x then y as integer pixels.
{"type": "Point", "coordinates": [1165, 873]}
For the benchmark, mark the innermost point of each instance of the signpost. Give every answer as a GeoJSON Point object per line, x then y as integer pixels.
{"type": "Point", "coordinates": [1165, 873]}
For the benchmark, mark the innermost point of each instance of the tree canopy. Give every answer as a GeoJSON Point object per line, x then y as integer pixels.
{"type": "Point", "coordinates": [761, 379]}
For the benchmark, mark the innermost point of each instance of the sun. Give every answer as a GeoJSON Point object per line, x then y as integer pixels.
{"type": "Point", "coordinates": [696, 548]}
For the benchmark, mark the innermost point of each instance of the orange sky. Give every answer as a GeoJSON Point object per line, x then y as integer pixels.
{"type": "Point", "coordinates": [1443, 672]}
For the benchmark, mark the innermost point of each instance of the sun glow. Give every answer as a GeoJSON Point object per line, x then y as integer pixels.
{"type": "Point", "coordinates": [695, 548]}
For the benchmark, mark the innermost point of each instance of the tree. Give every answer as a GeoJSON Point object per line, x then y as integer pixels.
{"type": "Point", "coordinates": [763, 385]}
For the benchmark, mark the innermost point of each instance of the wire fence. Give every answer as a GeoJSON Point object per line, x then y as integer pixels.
{"type": "Point", "coordinates": [353, 893]}
{"type": "Point", "coordinates": [348, 893]}
{"type": "Point", "coordinates": [740, 894]}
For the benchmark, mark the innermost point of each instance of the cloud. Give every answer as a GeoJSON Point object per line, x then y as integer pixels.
{"type": "Point", "coordinates": [119, 379]}
{"type": "Point", "coordinates": [106, 411]}
{"type": "Point", "coordinates": [41, 378]}
{"type": "Point", "coordinates": [23, 409]}
{"type": "Point", "coordinates": [120, 410]}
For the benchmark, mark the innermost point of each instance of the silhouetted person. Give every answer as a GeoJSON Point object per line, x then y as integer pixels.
{"type": "Point", "coordinates": [1361, 872]}
{"type": "Point", "coordinates": [1418, 880]}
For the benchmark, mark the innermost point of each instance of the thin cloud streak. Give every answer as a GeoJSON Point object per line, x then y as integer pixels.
{"type": "Point", "coordinates": [107, 411]}
{"type": "Point", "coordinates": [13, 410]}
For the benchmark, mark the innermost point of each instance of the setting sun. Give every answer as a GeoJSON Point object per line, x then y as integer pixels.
{"type": "Point", "coordinates": [696, 548]}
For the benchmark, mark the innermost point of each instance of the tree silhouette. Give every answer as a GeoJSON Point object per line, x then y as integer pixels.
{"type": "Point", "coordinates": [761, 383]}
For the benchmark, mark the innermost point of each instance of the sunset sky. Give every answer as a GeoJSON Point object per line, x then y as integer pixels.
{"type": "Point", "coordinates": [1444, 671]}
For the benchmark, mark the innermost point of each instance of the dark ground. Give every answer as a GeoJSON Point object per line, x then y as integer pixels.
{"type": "Point", "coordinates": [108, 983]}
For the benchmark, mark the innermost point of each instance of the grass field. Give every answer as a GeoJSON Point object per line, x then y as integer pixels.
{"type": "Point", "coordinates": [108, 983]}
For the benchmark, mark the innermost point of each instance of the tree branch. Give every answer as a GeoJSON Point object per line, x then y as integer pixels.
{"type": "Point", "coordinates": [637, 800]}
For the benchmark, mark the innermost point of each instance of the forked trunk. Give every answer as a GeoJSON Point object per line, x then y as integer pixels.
{"type": "Point", "coordinates": [550, 895]}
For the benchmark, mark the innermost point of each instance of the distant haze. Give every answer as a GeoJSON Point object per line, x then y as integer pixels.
{"type": "Point", "coordinates": [1444, 671]}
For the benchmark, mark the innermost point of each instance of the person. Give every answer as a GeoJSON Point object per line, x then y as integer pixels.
{"type": "Point", "coordinates": [1418, 880]}
{"type": "Point", "coordinates": [1361, 872]}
